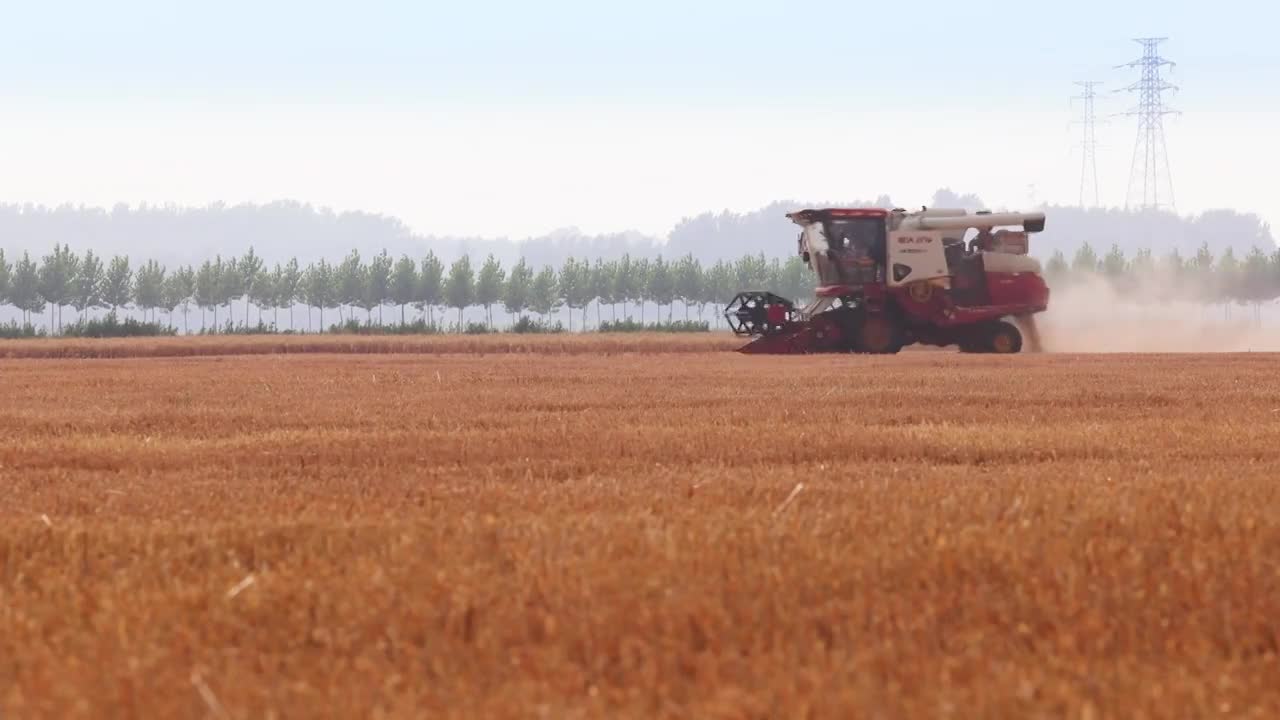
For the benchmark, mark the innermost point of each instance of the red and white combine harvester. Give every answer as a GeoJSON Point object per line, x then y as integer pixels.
{"type": "Point", "coordinates": [890, 278]}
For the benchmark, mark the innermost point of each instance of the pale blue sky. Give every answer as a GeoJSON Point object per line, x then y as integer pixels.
{"type": "Point", "coordinates": [667, 107]}
{"type": "Point", "coordinates": [659, 51]}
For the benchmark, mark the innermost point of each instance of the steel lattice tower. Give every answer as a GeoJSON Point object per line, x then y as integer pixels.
{"type": "Point", "coordinates": [1089, 141]}
{"type": "Point", "coordinates": [1150, 180]}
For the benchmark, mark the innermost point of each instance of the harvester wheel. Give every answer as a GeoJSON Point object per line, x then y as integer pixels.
{"type": "Point", "coordinates": [879, 334]}
{"type": "Point", "coordinates": [1005, 339]}
{"type": "Point", "coordinates": [1030, 331]}
{"type": "Point", "coordinates": [921, 292]}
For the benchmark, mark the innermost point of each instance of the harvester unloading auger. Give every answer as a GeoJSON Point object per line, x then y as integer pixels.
{"type": "Point", "coordinates": [889, 278]}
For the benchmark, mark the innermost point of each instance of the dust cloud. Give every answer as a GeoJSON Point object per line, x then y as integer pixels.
{"type": "Point", "coordinates": [1090, 315]}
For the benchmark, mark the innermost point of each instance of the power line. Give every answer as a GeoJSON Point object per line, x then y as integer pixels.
{"type": "Point", "coordinates": [1088, 141]}
{"type": "Point", "coordinates": [1150, 180]}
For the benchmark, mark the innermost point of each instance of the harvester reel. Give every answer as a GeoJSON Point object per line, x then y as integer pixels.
{"type": "Point", "coordinates": [757, 312]}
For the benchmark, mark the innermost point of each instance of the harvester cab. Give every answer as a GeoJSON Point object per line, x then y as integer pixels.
{"type": "Point", "coordinates": [890, 278]}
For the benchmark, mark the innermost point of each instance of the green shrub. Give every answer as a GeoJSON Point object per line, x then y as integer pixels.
{"type": "Point", "coordinates": [232, 329]}
{"type": "Point", "coordinates": [529, 326]}
{"type": "Point", "coordinates": [14, 331]}
{"type": "Point", "coordinates": [355, 327]}
{"type": "Point", "coordinates": [112, 326]}
{"type": "Point", "coordinates": [674, 326]}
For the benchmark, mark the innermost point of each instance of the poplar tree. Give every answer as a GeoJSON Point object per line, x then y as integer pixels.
{"type": "Point", "coordinates": [57, 277]}
{"type": "Point", "coordinates": [515, 293]}
{"type": "Point", "coordinates": [429, 293]}
{"type": "Point", "coordinates": [24, 288]}
{"type": "Point", "coordinates": [86, 292]}
{"type": "Point", "coordinates": [544, 296]}
{"type": "Point", "coordinates": [459, 290]}
{"type": "Point", "coordinates": [378, 284]}
{"type": "Point", "coordinates": [489, 286]}
{"type": "Point", "coordinates": [404, 280]}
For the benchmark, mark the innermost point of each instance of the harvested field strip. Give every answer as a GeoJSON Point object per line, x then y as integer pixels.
{"type": "Point", "coordinates": [177, 347]}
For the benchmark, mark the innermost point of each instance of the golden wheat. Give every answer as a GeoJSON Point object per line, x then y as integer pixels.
{"type": "Point", "coordinates": [685, 534]}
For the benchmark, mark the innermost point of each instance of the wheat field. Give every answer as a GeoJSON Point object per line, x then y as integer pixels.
{"type": "Point", "coordinates": [638, 531]}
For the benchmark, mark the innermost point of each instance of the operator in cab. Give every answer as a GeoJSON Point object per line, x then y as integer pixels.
{"type": "Point", "coordinates": [984, 241]}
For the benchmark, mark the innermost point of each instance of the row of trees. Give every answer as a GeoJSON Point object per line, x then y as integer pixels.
{"type": "Point", "coordinates": [62, 279]}
{"type": "Point", "coordinates": [1202, 277]}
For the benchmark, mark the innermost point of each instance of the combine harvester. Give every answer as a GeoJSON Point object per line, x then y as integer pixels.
{"type": "Point", "coordinates": [889, 278]}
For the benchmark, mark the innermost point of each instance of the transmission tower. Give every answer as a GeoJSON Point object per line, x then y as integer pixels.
{"type": "Point", "coordinates": [1150, 180]}
{"type": "Point", "coordinates": [1088, 142]}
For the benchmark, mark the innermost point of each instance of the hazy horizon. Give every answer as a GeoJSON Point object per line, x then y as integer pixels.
{"type": "Point", "coordinates": [281, 231]}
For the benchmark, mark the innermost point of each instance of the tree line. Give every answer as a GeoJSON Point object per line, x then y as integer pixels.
{"type": "Point", "coordinates": [1225, 279]}
{"type": "Point", "coordinates": [355, 286]}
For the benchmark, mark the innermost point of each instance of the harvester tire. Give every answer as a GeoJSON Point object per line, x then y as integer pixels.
{"type": "Point", "coordinates": [879, 334]}
{"type": "Point", "coordinates": [921, 292]}
{"type": "Point", "coordinates": [1004, 339]}
{"type": "Point", "coordinates": [1030, 333]}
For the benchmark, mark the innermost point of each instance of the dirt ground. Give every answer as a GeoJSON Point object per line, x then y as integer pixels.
{"type": "Point", "coordinates": [627, 532]}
